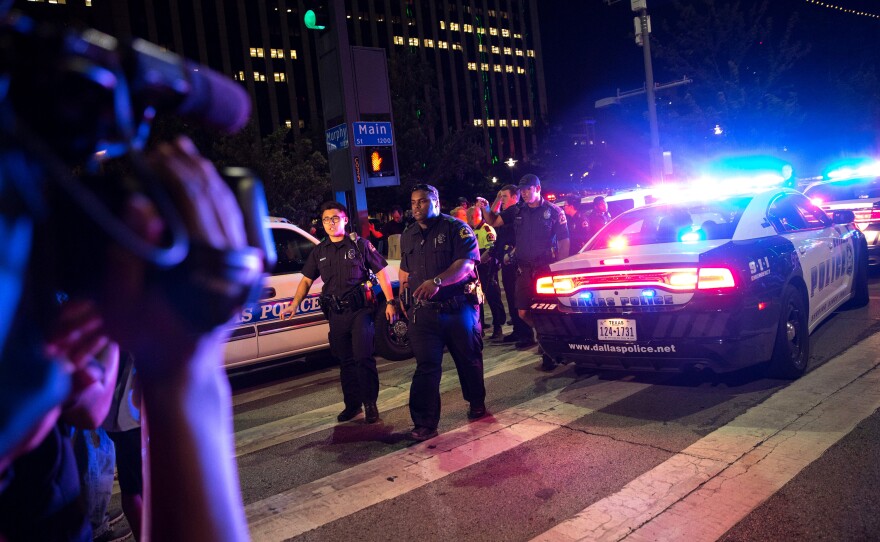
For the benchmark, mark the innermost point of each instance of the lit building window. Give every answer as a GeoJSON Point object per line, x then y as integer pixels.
{"type": "Point", "coordinates": [442, 25]}
{"type": "Point", "coordinates": [514, 123]}
{"type": "Point", "coordinates": [259, 76]}
{"type": "Point", "coordinates": [484, 66]}
{"type": "Point", "coordinates": [241, 76]}
{"type": "Point", "coordinates": [478, 122]}
{"type": "Point", "coordinates": [456, 47]}
{"type": "Point", "coordinates": [414, 42]}
{"type": "Point", "coordinates": [253, 52]}
{"type": "Point", "coordinates": [519, 52]}
{"type": "Point", "coordinates": [497, 67]}
{"type": "Point", "coordinates": [504, 15]}
{"type": "Point", "coordinates": [502, 122]}
{"type": "Point", "coordinates": [429, 43]}
{"type": "Point", "coordinates": [379, 18]}
{"type": "Point", "coordinates": [508, 51]}
{"type": "Point", "coordinates": [493, 31]}
{"type": "Point", "coordinates": [454, 26]}
{"type": "Point", "coordinates": [468, 28]}
{"type": "Point", "coordinates": [288, 124]}
{"type": "Point", "coordinates": [490, 122]}
{"type": "Point", "coordinates": [531, 53]}
{"type": "Point", "coordinates": [517, 36]}
{"type": "Point", "coordinates": [272, 53]}
{"type": "Point", "coordinates": [472, 66]}
{"type": "Point", "coordinates": [527, 123]}
{"type": "Point", "coordinates": [302, 124]}
{"type": "Point", "coordinates": [492, 13]}
{"type": "Point", "coordinates": [505, 32]}
{"type": "Point", "coordinates": [481, 48]}
{"type": "Point", "coordinates": [443, 45]}
{"type": "Point", "coordinates": [280, 77]}
{"type": "Point", "coordinates": [481, 30]}
{"type": "Point", "coordinates": [293, 54]}
{"type": "Point", "coordinates": [398, 40]}
{"type": "Point", "coordinates": [508, 69]}
{"type": "Point", "coordinates": [520, 70]}
{"type": "Point", "coordinates": [88, 3]}
{"type": "Point", "coordinates": [496, 49]}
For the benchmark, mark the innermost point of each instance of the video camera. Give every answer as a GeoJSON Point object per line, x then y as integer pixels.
{"type": "Point", "coordinates": [67, 98]}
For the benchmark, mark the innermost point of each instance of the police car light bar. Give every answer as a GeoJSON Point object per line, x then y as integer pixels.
{"type": "Point", "coordinates": [677, 279]}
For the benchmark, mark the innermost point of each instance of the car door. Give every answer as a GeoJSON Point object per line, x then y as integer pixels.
{"type": "Point", "coordinates": [820, 249]}
{"type": "Point", "coordinates": [308, 328]}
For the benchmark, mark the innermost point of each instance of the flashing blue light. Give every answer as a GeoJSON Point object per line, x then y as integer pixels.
{"type": "Point", "coordinates": [649, 293]}
{"type": "Point", "coordinates": [586, 295]}
{"type": "Point", "coordinates": [853, 168]}
{"type": "Point", "coordinates": [759, 171]}
{"type": "Point", "coordinates": [691, 237]}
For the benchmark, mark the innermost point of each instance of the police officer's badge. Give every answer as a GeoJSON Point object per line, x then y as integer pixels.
{"type": "Point", "coordinates": [441, 238]}
{"type": "Point", "coordinates": [351, 254]}
{"type": "Point", "coordinates": [546, 214]}
{"type": "Point", "coordinates": [464, 233]}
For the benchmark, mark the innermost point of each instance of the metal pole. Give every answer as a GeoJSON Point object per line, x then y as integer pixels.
{"type": "Point", "coordinates": [656, 164]}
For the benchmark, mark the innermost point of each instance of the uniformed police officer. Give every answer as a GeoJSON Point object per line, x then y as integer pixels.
{"type": "Point", "coordinates": [541, 237]}
{"type": "Point", "coordinates": [344, 263]}
{"type": "Point", "coordinates": [438, 255]}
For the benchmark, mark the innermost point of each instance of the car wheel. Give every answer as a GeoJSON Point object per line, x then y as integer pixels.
{"type": "Point", "coordinates": [791, 351]}
{"type": "Point", "coordinates": [392, 340]}
{"type": "Point", "coordinates": [860, 281]}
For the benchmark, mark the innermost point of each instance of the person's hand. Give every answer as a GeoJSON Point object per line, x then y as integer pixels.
{"type": "Point", "coordinates": [426, 290]}
{"type": "Point", "coordinates": [482, 202]}
{"type": "Point", "coordinates": [289, 311]}
{"type": "Point", "coordinates": [391, 312]}
{"type": "Point", "coordinates": [137, 310]}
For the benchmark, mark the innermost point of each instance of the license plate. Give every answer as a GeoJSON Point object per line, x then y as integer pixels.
{"type": "Point", "coordinates": [617, 329]}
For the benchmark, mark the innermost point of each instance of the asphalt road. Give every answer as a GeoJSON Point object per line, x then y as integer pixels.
{"type": "Point", "coordinates": [605, 456]}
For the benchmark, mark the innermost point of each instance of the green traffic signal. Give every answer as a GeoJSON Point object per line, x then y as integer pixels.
{"type": "Point", "coordinates": [311, 20]}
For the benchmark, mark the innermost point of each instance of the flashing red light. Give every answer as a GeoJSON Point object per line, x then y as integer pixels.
{"type": "Point", "coordinates": [676, 279]}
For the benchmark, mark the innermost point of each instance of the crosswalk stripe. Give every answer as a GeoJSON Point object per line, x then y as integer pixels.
{"type": "Point", "coordinates": [312, 505]}
{"type": "Point", "coordinates": [299, 425]}
{"type": "Point", "coordinates": [703, 491]}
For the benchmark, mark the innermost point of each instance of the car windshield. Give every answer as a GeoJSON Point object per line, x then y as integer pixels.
{"type": "Point", "coordinates": [672, 223]}
{"type": "Point", "coordinates": [845, 190]}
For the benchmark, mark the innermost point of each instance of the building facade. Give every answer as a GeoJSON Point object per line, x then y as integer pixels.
{"type": "Point", "coordinates": [486, 55]}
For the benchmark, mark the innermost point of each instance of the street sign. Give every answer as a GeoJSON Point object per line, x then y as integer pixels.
{"type": "Point", "coordinates": [372, 134]}
{"type": "Point", "coordinates": [337, 138]}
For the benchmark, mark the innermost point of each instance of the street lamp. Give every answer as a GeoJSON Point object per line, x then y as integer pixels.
{"type": "Point", "coordinates": [510, 163]}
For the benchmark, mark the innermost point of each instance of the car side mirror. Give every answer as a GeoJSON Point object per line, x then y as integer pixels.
{"type": "Point", "coordinates": [843, 217]}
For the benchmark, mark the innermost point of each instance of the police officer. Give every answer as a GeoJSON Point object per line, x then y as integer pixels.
{"type": "Point", "coordinates": [438, 255]}
{"type": "Point", "coordinates": [598, 217]}
{"type": "Point", "coordinates": [344, 263]}
{"type": "Point", "coordinates": [488, 272]}
{"type": "Point", "coordinates": [541, 237]}
{"type": "Point", "coordinates": [578, 224]}
{"type": "Point", "coordinates": [504, 251]}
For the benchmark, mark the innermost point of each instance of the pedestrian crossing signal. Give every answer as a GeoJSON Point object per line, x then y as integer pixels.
{"type": "Point", "coordinates": [379, 161]}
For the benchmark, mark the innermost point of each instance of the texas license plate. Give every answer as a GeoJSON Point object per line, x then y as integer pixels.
{"type": "Point", "coordinates": [617, 329]}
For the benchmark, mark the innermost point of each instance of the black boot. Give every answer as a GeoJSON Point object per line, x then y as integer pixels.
{"type": "Point", "coordinates": [371, 413]}
{"type": "Point", "coordinates": [348, 414]}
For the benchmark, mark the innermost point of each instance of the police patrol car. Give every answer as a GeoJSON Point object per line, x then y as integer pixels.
{"type": "Point", "coordinates": [718, 284]}
{"type": "Point", "coordinates": [259, 334]}
{"type": "Point", "coordinates": [861, 195]}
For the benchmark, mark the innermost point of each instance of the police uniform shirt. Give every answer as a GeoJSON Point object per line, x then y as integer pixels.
{"type": "Point", "coordinates": [425, 253]}
{"type": "Point", "coordinates": [341, 265]}
{"type": "Point", "coordinates": [538, 229]}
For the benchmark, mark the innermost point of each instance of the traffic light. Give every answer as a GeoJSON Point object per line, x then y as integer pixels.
{"type": "Point", "coordinates": [316, 17]}
{"type": "Point", "coordinates": [379, 161]}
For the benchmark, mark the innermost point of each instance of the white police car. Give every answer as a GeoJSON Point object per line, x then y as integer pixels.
{"type": "Point", "coordinates": [861, 195]}
{"type": "Point", "coordinates": [259, 334]}
{"type": "Point", "coordinates": [717, 284]}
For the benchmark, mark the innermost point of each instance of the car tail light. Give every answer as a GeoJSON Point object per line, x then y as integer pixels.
{"type": "Point", "coordinates": [675, 279]}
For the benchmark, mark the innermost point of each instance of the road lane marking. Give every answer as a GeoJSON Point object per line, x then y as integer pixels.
{"type": "Point", "coordinates": [703, 491]}
{"type": "Point", "coordinates": [312, 505]}
{"type": "Point", "coordinates": [286, 429]}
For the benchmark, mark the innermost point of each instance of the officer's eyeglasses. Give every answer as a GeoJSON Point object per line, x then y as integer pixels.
{"type": "Point", "coordinates": [331, 220]}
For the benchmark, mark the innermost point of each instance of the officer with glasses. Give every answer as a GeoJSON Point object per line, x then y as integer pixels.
{"type": "Point", "coordinates": [438, 257]}
{"type": "Point", "coordinates": [345, 264]}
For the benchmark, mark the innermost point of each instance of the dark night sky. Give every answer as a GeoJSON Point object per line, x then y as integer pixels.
{"type": "Point", "coordinates": [589, 51]}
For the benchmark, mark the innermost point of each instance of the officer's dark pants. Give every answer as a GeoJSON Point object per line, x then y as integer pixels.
{"type": "Point", "coordinates": [460, 332]}
{"type": "Point", "coordinates": [351, 342]}
{"type": "Point", "coordinates": [508, 277]}
{"type": "Point", "coordinates": [492, 290]}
